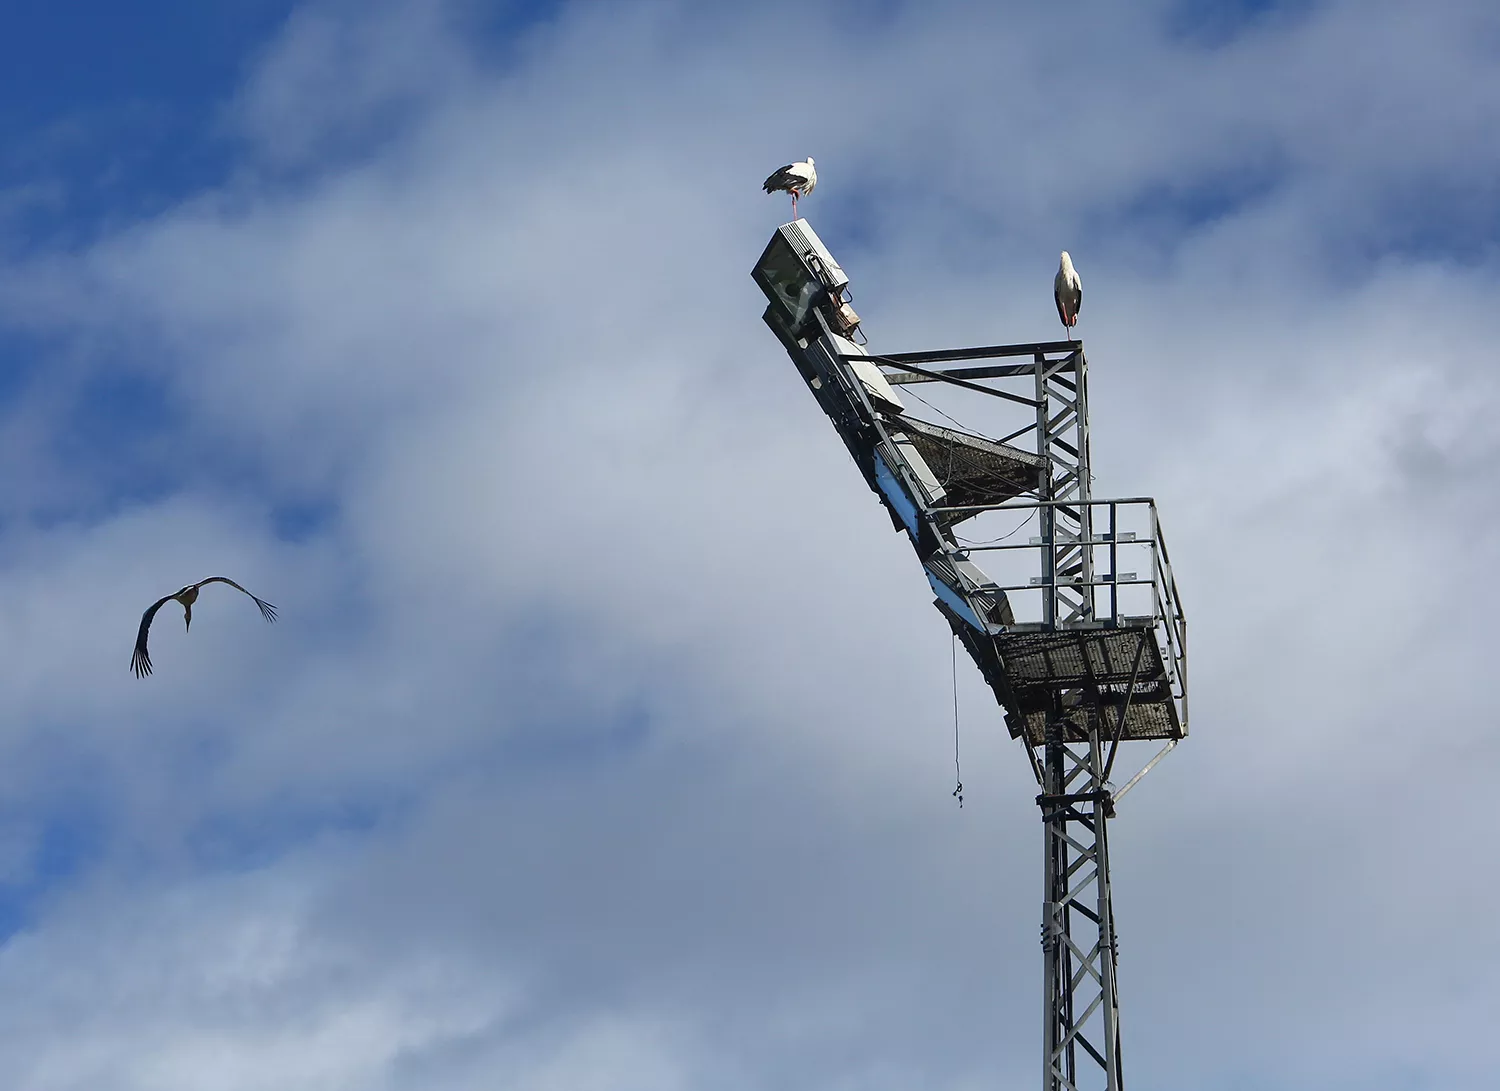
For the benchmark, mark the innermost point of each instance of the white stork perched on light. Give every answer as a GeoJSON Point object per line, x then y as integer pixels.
{"type": "Point", "coordinates": [1067, 289]}
{"type": "Point", "coordinates": [140, 662]}
{"type": "Point", "coordinates": [798, 179]}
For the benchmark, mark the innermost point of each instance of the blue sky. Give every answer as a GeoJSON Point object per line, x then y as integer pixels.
{"type": "Point", "coordinates": [109, 113]}
{"type": "Point", "coordinates": [604, 740]}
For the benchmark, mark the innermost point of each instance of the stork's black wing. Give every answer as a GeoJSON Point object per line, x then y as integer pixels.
{"type": "Point", "coordinates": [140, 662]}
{"type": "Point", "coordinates": [781, 179]}
{"type": "Point", "coordinates": [267, 610]}
{"type": "Point", "coordinates": [1074, 298]}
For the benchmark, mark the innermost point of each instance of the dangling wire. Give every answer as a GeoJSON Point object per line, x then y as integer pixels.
{"type": "Point", "coordinates": [956, 423]}
{"type": "Point", "coordinates": [992, 541]}
{"type": "Point", "coordinates": [958, 774]}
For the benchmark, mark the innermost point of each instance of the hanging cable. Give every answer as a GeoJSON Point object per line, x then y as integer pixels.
{"type": "Point", "coordinates": [958, 774]}
{"type": "Point", "coordinates": [951, 420]}
{"type": "Point", "coordinates": [1014, 530]}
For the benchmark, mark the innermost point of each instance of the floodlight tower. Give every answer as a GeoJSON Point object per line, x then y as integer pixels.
{"type": "Point", "coordinates": [1099, 655]}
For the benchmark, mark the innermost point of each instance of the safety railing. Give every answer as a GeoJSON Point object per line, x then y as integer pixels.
{"type": "Point", "coordinates": [1130, 577]}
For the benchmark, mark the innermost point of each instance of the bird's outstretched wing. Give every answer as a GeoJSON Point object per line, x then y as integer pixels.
{"type": "Point", "coordinates": [267, 610]}
{"type": "Point", "coordinates": [140, 662]}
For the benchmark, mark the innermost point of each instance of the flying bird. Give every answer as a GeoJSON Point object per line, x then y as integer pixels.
{"type": "Point", "coordinates": [798, 179]}
{"type": "Point", "coordinates": [1067, 289]}
{"type": "Point", "coordinates": [140, 662]}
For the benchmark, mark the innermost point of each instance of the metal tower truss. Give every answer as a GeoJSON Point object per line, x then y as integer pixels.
{"type": "Point", "coordinates": [1089, 656]}
{"type": "Point", "coordinates": [1062, 424]}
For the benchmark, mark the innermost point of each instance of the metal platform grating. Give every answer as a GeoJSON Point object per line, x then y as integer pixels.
{"type": "Point", "coordinates": [973, 470]}
{"type": "Point", "coordinates": [1080, 657]}
{"type": "Point", "coordinates": [1071, 667]}
{"type": "Point", "coordinates": [1147, 719]}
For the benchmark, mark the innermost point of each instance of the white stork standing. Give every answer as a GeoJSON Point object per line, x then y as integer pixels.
{"type": "Point", "coordinates": [140, 662]}
{"type": "Point", "coordinates": [1067, 290]}
{"type": "Point", "coordinates": [798, 179]}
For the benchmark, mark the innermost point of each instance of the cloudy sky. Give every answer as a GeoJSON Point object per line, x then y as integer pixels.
{"type": "Point", "coordinates": [605, 741]}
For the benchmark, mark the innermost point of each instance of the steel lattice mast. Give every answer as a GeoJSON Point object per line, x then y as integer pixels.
{"type": "Point", "coordinates": [1079, 994]}
{"type": "Point", "coordinates": [1079, 678]}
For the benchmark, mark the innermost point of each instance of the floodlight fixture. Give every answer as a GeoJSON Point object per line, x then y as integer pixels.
{"type": "Point", "coordinates": [801, 279]}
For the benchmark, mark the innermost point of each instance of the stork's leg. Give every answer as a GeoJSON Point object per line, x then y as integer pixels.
{"type": "Point", "coordinates": [794, 204]}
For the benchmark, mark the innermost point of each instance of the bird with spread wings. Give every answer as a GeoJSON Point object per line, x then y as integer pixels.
{"type": "Point", "coordinates": [140, 662]}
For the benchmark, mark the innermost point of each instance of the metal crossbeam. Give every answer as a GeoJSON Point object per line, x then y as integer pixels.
{"type": "Point", "coordinates": [988, 352]}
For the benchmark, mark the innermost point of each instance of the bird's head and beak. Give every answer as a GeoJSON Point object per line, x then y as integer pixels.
{"type": "Point", "coordinates": [187, 596]}
{"type": "Point", "coordinates": [1067, 262]}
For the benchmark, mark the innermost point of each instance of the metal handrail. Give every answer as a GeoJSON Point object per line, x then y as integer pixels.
{"type": "Point", "coordinates": [1166, 602]}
